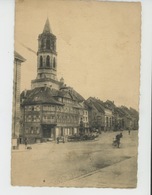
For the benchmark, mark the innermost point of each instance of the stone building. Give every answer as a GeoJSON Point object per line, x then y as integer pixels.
{"type": "Point", "coordinates": [119, 119]}
{"type": "Point", "coordinates": [130, 118]}
{"type": "Point", "coordinates": [135, 118]}
{"type": "Point", "coordinates": [123, 118]}
{"type": "Point", "coordinates": [84, 118]}
{"type": "Point", "coordinates": [18, 59]}
{"type": "Point", "coordinates": [50, 108]}
{"type": "Point", "coordinates": [100, 116]}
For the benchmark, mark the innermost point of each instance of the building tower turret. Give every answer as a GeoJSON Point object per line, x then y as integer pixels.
{"type": "Point", "coordinates": [46, 59]}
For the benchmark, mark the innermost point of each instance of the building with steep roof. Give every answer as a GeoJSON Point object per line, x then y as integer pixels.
{"type": "Point", "coordinates": [130, 118]}
{"type": "Point", "coordinates": [50, 109]}
{"type": "Point", "coordinates": [100, 116]}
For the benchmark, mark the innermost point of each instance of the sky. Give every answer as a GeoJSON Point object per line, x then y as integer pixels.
{"type": "Point", "coordinates": [98, 45]}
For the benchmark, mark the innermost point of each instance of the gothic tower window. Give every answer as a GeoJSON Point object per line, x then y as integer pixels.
{"type": "Point", "coordinates": [41, 61]}
{"type": "Point", "coordinates": [51, 62]}
{"type": "Point", "coordinates": [48, 61]}
{"type": "Point", "coordinates": [47, 44]}
{"type": "Point", "coordinates": [54, 63]}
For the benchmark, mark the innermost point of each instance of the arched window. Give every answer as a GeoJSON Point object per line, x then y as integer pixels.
{"type": "Point", "coordinates": [54, 63]}
{"type": "Point", "coordinates": [47, 44]}
{"type": "Point", "coordinates": [41, 61]}
{"type": "Point", "coordinates": [48, 61]}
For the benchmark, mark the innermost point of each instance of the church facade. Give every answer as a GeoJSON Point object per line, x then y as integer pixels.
{"type": "Point", "coordinates": [50, 108]}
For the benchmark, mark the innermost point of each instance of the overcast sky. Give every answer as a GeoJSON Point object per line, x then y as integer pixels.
{"type": "Point", "coordinates": [98, 46]}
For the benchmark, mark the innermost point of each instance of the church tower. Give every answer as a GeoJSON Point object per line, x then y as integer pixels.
{"type": "Point", "coordinates": [46, 59]}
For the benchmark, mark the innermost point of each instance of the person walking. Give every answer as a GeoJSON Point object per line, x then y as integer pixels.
{"type": "Point", "coordinates": [118, 136]}
{"type": "Point", "coordinates": [129, 131]}
{"type": "Point", "coordinates": [63, 139]}
{"type": "Point", "coordinates": [57, 140]}
{"type": "Point", "coordinates": [26, 142]}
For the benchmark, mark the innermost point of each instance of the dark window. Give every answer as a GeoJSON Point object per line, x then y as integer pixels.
{"type": "Point", "coordinates": [42, 43]}
{"type": "Point", "coordinates": [47, 44]}
{"type": "Point", "coordinates": [48, 61]}
{"type": "Point", "coordinates": [41, 61]}
{"type": "Point", "coordinates": [54, 63]}
{"type": "Point", "coordinates": [53, 45]}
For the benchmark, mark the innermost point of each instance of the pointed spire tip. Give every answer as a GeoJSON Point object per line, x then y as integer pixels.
{"type": "Point", "coordinates": [47, 26]}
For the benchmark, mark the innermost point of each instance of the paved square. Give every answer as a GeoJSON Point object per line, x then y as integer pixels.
{"type": "Point", "coordinates": [80, 164]}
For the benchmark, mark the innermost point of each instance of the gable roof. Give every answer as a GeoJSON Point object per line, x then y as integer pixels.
{"type": "Point", "coordinates": [70, 93]}
{"type": "Point", "coordinates": [43, 95]}
{"type": "Point", "coordinates": [97, 104]}
{"type": "Point", "coordinates": [39, 95]}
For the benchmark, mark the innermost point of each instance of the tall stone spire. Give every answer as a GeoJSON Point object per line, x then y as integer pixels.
{"type": "Point", "coordinates": [47, 28]}
{"type": "Point", "coordinates": [46, 59]}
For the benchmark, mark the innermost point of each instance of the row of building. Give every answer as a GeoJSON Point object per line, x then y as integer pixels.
{"type": "Point", "coordinates": [47, 113]}
{"type": "Point", "coordinates": [51, 108]}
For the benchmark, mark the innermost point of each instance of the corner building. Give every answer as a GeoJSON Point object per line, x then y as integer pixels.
{"type": "Point", "coordinates": [50, 108]}
{"type": "Point", "coordinates": [18, 60]}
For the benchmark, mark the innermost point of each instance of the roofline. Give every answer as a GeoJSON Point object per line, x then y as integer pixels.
{"type": "Point", "coordinates": [19, 57]}
{"type": "Point", "coordinates": [35, 103]}
{"type": "Point", "coordinates": [45, 79]}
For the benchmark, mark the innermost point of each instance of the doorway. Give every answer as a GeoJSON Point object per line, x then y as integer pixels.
{"type": "Point", "coordinates": [48, 131]}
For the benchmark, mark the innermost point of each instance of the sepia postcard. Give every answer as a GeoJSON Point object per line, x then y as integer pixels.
{"type": "Point", "coordinates": [75, 116]}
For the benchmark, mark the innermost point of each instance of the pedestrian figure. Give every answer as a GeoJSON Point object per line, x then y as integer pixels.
{"type": "Point", "coordinates": [118, 136]}
{"type": "Point", "coordinates": [57, 140]}
{"type": "Point", "coordinates": [129, 131]}
{"type": "Point", "coordinates": [26, 142]}
{"type": "Point", "coordinates": [63, 140]}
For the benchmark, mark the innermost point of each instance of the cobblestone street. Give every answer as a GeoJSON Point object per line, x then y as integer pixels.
{"type": "Point", "coordinates": [80, 164]}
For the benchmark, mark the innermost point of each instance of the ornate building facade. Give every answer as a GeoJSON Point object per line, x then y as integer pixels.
{"type": "Point", "coordinates": [50, 108]}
